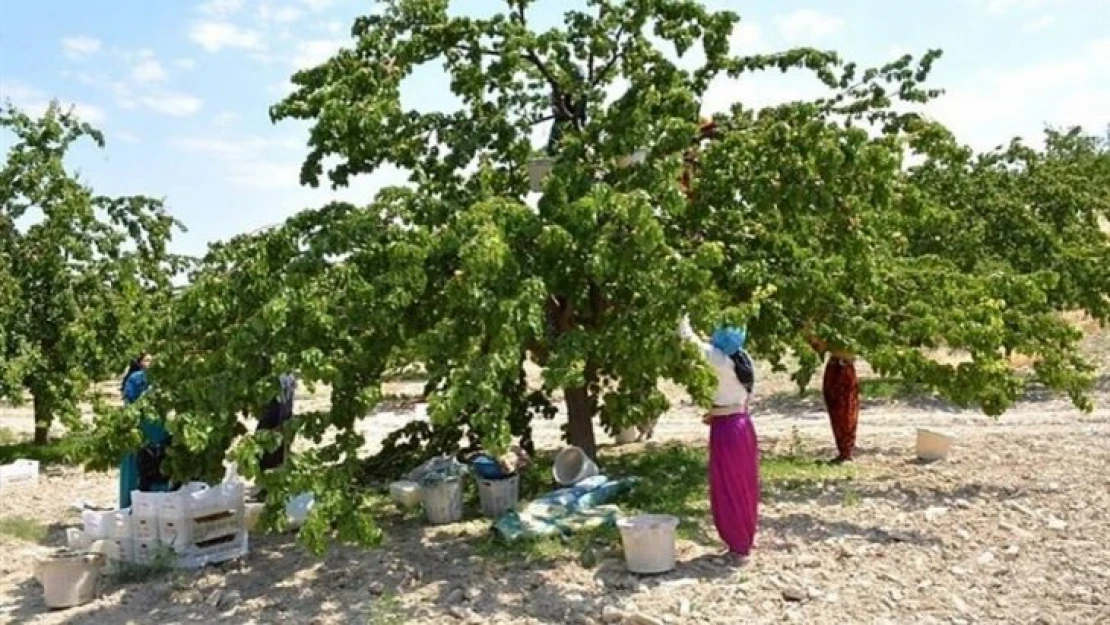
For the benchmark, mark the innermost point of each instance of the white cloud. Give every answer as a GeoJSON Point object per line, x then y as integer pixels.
{"type": "Point", "coordinates": [1038, 24]}
{"type": "Point", "coordinates": [1001, 7]}
{"type": "Point", "coordinates": [808, 25]}
{"type": "Point", "coordinates": [267, 12]}
{"type": "Point", "coordinates": [226, 119]}
{"type": "Point", "coordinates": [215, 36]}
{"type": "Point", "coordinates": [747, 38]}
{"type": "Point", "coordinates": [172, 104]}
{"type": "Point", "coordinates": [220, 8]}
{"type": "Point", "coordinates": [312, 53]}
{"type": "Point", "coordinates": [124, 136]}
{"type": "Point", "coordinates": [317, 5]}
{"type": "Point", "coordinates": [186, 64]}
{"type": "Point", "coordinates": [35, 101]}
{"type": "Point", "coordinates": [250, 161]}
{"type": "Point", "coordinates": [81, 46]}
{"type": "Point", "coordinates": [149, 70]}
{"type": "Point", "coordinates": [996, 105]}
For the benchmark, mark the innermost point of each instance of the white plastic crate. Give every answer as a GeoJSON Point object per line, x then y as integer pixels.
{"type": "Point", "coordinates": [107, 525]}
{"type": "Point", "coordinates": [182, 534]}
{"type": "Point", "coordinates": [144, 529]}
{"type": "Point", "coordinates": [214, 551]}
{"type": "Point", "coordinates": [171, 504]}
{"type": "Point", "coordinates": [19, 473]}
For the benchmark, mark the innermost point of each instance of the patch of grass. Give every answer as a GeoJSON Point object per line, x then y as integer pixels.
{"type": "Point", "coordinates": [162, 563]}
{"type": "Point", "coordinates": [672, 481]}
{"type": "Point", "coordinates": [58, 451]}
{"type": "Point", "coordinates": [22, 528]}
{"type": "Point", "coordinates": [8, 437]}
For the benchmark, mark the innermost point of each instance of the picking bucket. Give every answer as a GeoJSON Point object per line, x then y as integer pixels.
{"type": "Point", "coordinates": [443, 501]}
{"type": "Point", "coordinates": [933, 445]}
{"type": "Point", "coordinates": [572, 465]}
{"type": "Point", "coordinates": [498, 496]}
{"type": "Point", "coordinates": [627, 435]}
{"type": "Point", "coordinates": [649, 543]}
{"type": "Point", "coordinates": [69, 579]}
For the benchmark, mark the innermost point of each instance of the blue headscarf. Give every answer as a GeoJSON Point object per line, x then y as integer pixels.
{"type": "Point", "coordinates": [729, 340]}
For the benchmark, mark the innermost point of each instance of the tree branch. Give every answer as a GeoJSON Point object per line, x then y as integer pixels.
{"type": "Point", "coordinates": [617, 55]}
{"type": "Point", "coordinates": [557, 95]}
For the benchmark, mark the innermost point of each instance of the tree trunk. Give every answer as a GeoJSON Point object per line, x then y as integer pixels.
{"type": "Point", "coordinates": [580, 420]}
{"type": "Point", "coordinates": [43, 418]}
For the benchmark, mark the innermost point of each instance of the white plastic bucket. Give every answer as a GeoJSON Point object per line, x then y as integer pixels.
{"type": "Point", "coordinates": [572, 465]}
{"type": "Point", "coordinates": [252, 514]}
{"type": "Point", "coordinates": [405, 494]}
{"type": "Point", "coordinates": [933, 445]}
{"type": "Point", "coordinates": [498, 496]}
{"type": "Point", "coordinates": [443, 502]}
{"type": "Point", "coordinates": [627, 435]}
{"type": "Point", "coordinates": [69, 580]}
{"type": "Point", "coordinates": [649, 543]}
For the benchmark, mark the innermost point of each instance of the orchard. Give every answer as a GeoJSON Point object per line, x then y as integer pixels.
{"type": "Point", "coordinates": [850, 224]}
{"type": "Point", "coordinates": [852, 227]}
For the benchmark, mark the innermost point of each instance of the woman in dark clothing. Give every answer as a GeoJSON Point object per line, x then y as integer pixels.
{"type": "Point", "coordinates": [141, 469]}
{"type": "Point", "coordinates": [278, 411]}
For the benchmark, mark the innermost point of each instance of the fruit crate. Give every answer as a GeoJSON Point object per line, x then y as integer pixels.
{"type": "Point", "coordinates": [184, 533]}
{"type": "Point", "coordinates": [214, 551]}
{"type": "Point", "coordinates": [19, 473]}
{"type": "Point", "coordinates": [107, 525]}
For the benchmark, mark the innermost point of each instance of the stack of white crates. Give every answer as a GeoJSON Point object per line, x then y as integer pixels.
{"type": "Point", "coordinates": [201, 525]}
{"type": "Point", "coordinates": [22, 472]}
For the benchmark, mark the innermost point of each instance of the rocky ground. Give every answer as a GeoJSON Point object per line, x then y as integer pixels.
{"type": "Point", "coordinates": [1013, 528]}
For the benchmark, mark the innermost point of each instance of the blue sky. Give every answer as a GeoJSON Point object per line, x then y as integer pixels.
{"type": "Point", "coordinates": [182, 88]}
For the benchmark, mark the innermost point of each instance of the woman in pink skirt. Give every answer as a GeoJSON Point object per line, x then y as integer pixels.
{"type": "Point", "coordinates": [733, 450]}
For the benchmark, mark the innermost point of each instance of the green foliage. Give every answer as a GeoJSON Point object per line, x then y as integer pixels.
{"type": "Point", "coordinates": [803, 221]}
{"type": "Point", "coordinates": [82, 276]}
{"type": "Point", "coordinates": [63, 450]}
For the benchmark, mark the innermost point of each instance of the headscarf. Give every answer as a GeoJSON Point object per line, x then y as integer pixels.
{"type": "Point", "coordinates": [730, 341]}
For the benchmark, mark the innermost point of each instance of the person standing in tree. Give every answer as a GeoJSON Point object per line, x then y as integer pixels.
{"type": "Point", "coordinates": [733, 447]}
{"type": "Point", "coordinates": [142, 469]}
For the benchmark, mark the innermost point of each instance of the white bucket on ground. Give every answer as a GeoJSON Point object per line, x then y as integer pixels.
{"type": "Point", "coordinates": [443, 502]}
{"type": "Point", "coordinates": [69, 580]}
{"type": "Point", "coordinates": [933, 445]}
{"type": "Point", "coordinates": [498, 496]}
{"type": "Point", "coordinates": [252, 514]}
{"type": "Point", "coordinates": [405, 494]}
{"type": "Point", "coordinates": [627, 435]}
{"type": "Point", "coordinates": [649, 542]}
{"type": "Point", "coordinates": [572, 465]}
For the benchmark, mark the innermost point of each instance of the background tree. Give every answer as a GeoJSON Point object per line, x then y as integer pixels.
{"type": "Point", "coordinates": [82, 274]}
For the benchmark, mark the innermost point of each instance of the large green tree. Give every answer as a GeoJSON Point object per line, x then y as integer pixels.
{"type": "Point", "coordinates": [81, 274]}
{"type": "Point", "coordinates": [801, 221]}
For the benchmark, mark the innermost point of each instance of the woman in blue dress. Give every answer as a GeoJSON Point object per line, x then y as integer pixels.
{"type": "Point", "coordinates": [139, 469]}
